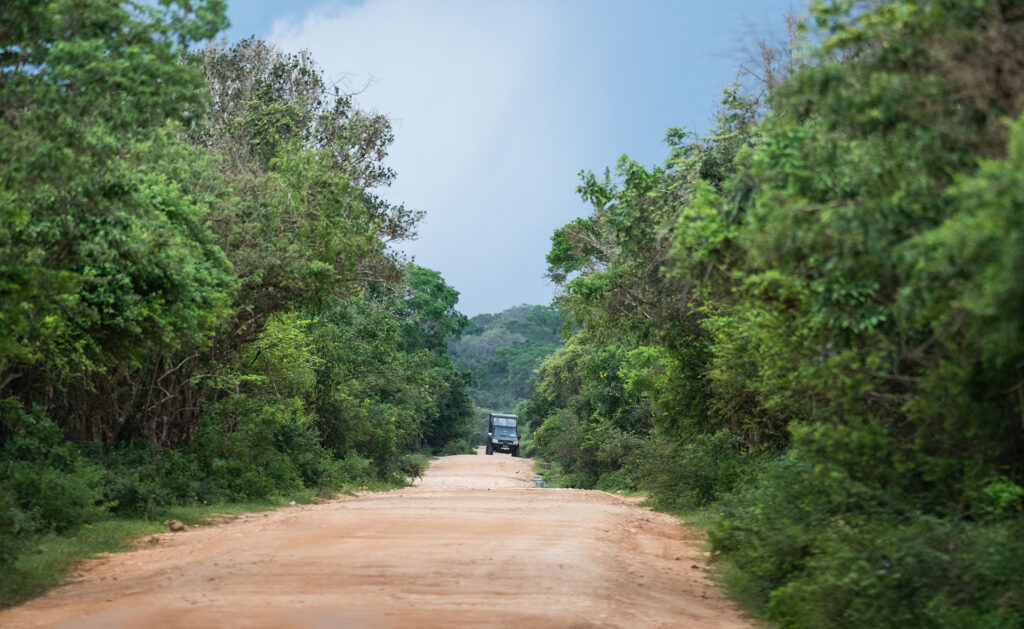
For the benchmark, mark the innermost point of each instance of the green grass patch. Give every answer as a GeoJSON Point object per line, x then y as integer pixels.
{"type": "Point", "coordinates": [550, 472]}
{"type": "Point", "coordinates": [48, 562]}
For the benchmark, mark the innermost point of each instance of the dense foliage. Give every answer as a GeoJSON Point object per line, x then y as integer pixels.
{"type": "Point", "coordinates": [503, 350]}
{"type": "Point", "coordinates": [197, 298]}
{"type": "Point", "coordinates": [810, 321]}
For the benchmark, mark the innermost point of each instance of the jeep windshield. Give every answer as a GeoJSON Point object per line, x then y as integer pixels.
{"type": "Point", "coordinates": [504, 432]}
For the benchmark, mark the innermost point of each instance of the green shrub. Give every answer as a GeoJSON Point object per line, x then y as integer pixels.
{"type": "Point", "coordinates": [133, 489]}
{"type": "Point", "coordinates": [254, 447]}
{"type": "Point", "coordinates": [809, 546]}
{"type": "Point", "coordinates": [588, 448]}
{"type": "Point", "coordinates": [355, 469]}
{"type": "Point", "coordinates": [694, 474]}
{"type": "Point", "coordinates": [576, 480]}
{"type": "Point", "coordinates": [9, 526]}
{"type": "Point", "coordinates": [247, 448]}
{"type": "Point", "coordinates": [528, 447]}
{"type": "Point", "coordinates": [615, 481]}
{"type": "Point", "coordinates": [412, 466]}
{"type": "Point", "coordinates": [45, 483]}
{"type": "Point", "coordinates": [457, 446]}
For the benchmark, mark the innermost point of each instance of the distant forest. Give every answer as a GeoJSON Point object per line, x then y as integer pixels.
{"type": "Point", "coordinates": [502, 351]}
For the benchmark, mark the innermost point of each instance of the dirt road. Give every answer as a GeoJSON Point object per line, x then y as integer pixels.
{"type": "Point", "coordinates": [472, 545]}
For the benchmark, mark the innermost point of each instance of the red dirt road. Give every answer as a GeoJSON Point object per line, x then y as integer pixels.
{"type": "Point", "coordinates": [472, 545]}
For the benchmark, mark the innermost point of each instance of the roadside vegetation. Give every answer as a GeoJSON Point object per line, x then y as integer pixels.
{"type": "Point", "coordinates": [807, 325]}
{"type": "Point", "coordinates": [201, 303]}
{"type": "Point", "coordinates": [502, 351]}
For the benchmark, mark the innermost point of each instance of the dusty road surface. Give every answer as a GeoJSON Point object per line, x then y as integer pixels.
{"type": "Point", "coordinates": [473, 545]}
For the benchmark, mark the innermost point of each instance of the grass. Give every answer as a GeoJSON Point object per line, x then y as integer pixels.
{"type": "Point", "coordinates": [701, 518]}
{"type": "Point", "coordinates": [48, 562]}
{"type": "Point", "coordinates": [548, 471]}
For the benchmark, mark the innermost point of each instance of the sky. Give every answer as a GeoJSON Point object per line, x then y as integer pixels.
{"type": "Point", "coordinates": [497, 105]}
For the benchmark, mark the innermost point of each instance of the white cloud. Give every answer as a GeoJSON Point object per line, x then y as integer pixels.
{"type": "Point", "coordinates": [487, 117]}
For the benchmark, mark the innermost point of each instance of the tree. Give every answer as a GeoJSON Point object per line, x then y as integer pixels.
{"type": "Point", "coordinates": [107, 262]}
{"type": "Point", "coordinates": [815, 306]}
{"type": "Point", "coordinates": [428, 310]}
{"type": "Point", "coordinates": [302, 162]}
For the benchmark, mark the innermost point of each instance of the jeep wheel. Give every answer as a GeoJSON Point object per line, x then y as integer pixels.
{"type": "Point", "coordinates": [489, 449]}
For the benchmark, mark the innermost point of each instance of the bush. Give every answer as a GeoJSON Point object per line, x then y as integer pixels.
{"type": "Point", "coordinates": [247, 448]}
{"type": "Point", "coordinates": [615, 481]}
{"type": "Point", "coordinates": [808, 546]}
{"type": "Point", "coordinates": [587, 448]}
{"type": "Point", "coordinates": [693, 474]}
{"type": "Point", "coordinates": [253, 448]}
{"type": "Point", "coordinates": [9, 526]}
{"type": "Point", "coordinates": [528, 447]}
{"type": "Point", "coordinates": [133, 483]}
{"type": "Point", "coordinates": [412, 466]}
{"type": "Point", "coordinates": [45, 484]}
{"type": "Point", "coordinates": [457, 446]}
{"type": "Point", "coordinates": [354, 468]}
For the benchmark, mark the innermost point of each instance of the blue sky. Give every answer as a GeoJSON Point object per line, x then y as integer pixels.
{"type": "Point", "coordinates": [498, 104]}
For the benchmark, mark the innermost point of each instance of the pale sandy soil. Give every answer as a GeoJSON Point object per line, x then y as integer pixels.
{"type": "Point", "coordinates": [472, 545]}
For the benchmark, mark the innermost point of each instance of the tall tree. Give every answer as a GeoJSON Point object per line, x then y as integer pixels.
{"type": "Point", "coordinates": [107, 261]}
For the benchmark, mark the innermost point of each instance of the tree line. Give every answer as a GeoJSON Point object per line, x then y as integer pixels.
{"type": "Point", "coordinates": [200, 298]}
{"type": "Point", "coordinates": [808, 323]}
{"type": "Point", "coordinates": [502, 351]}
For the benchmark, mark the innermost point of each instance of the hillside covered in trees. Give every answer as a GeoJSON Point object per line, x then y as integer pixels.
{"type": "Point", "coordinates": [809, 323]}
{"type": "Point", "coordinates": [200, 296]}
{"type": "Point", "coordinates": [502, 350]}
